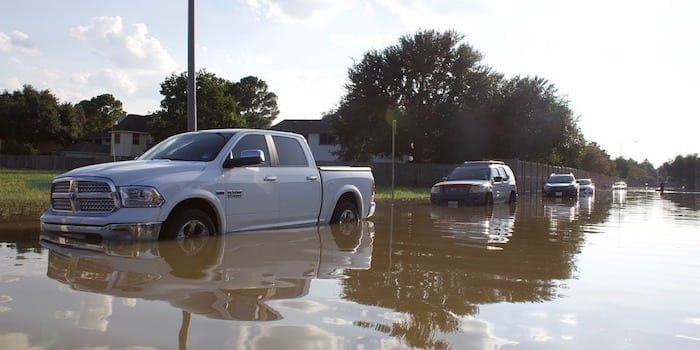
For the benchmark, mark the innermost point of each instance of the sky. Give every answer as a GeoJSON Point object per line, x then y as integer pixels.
{"type": "Point", "coordinates": [628, 68]}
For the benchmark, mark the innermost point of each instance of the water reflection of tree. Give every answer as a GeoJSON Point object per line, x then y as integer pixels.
{"type": "Point", "coordinates": [435, 279]}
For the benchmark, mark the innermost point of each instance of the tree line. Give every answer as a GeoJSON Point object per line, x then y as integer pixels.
{"type": "Point", "coordinates": [448, 107]}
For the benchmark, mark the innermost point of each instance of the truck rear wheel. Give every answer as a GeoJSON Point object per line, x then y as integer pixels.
{"type": "Point", "coordinates": [345, 213]}
{"type": "Point", "coordinates": [188, 223]}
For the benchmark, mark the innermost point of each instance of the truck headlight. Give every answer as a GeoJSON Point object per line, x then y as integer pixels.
{"type": "Point", "coordinates": [140, 197]}
{"type": "Point", "coordinates": [435, 189]}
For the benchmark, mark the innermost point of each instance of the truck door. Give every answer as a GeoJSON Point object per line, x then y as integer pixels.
{"type": "Point", "coordinates": [252, 192]}
{"type": "Point", "coordinates": [299, 183]}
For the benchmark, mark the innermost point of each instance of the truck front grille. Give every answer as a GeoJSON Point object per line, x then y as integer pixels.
{"type": "Point", "coordinates": [84, 195]}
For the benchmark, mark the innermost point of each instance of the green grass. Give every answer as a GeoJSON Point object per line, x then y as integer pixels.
{"type": "Point", "coordinates": [24, 194]}
{"type": "Point", "coordinates": [403, 193]}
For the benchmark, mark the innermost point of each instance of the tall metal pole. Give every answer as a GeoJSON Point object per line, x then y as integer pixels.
{"type": "Point", "coordinates": [393, 157]}
{"type": "Point", "coordinates": [191, 78]}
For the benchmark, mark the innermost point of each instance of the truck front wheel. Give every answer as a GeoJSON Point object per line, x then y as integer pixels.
{"type": "Point", "coordinates": [188, 223]}
{"type": "Point", "coordinates": [345, 213]}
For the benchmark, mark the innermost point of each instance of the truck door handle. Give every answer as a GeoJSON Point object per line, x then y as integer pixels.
{"type": "Point", "coordinates": [271, 178]}
{"type": "Point", "coordinates": [312, 177]}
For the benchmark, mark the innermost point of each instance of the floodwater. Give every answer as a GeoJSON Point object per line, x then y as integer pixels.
{"type": "Point", "coordinates": [618, 271]}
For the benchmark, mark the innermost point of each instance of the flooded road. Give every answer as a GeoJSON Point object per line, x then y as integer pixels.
{"type": "Point", "coordinates": [621, 270]}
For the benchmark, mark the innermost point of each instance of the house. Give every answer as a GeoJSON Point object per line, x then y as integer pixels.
{"type": "Point", "coordinates": [125, 140]}
{"type": "Point", "coordinates": [318, 135]}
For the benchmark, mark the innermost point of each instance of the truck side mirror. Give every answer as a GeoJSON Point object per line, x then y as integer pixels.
{"type": "Point", "coordinates": [248, 157]}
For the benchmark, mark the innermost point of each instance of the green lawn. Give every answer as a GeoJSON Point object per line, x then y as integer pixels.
{"type": "Point", "coordinates": [24, 194]}
{"type": "Point", "coordinates": [403, 193]}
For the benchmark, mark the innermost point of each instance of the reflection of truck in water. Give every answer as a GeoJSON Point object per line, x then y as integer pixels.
{"type": "Point", "coordinates": [223, 277]}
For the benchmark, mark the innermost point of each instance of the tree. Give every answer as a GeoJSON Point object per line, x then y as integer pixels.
{"type": "Point", "coordinates": [216, 108]}
{"type": "Point", "coordinates": [31, 118]}
{"type": "Point", "coordinates": [426, 83]}
{"type": "Point", "coordinates": [529, 120]}
{"type": "Point", "coordinates": [101, 112]}
{"type": "Point", "coordinates": [256, 104]}
{"type": "Point", "coordinates": [596, 160]}
{"type": "Point", "coordinates": [450, 108]}
{"type": "Point", "coordinates": [683, 170]}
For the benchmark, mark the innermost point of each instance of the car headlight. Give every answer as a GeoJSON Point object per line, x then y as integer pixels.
{"type": "Point", "coordinates": [435, 189]}
{"type": "Point", "coordinates": [480, 189]}
{"type": "Point", "coordinates": [140, 197]}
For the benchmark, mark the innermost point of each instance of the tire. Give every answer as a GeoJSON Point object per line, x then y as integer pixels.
{"type": "Point", "coordinates": [489, 199]}
{"type": "Point", "coordinates": [188, 223]}
{"type": "Point", "coordinates": [513, 198]}
{"type": "Point", "coordinates": [345, 213]}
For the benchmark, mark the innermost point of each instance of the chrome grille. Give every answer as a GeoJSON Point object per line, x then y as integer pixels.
{"type": "Point", "coordinates": [83, 195]}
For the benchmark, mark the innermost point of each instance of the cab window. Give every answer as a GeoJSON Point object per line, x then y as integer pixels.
{"type": "Point", "coordinates": [289, 152]}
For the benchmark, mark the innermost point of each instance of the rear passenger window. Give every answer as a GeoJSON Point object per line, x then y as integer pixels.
{"type": "Point", "coordinates": [289, 152]}
{"type": "Point", "coordinates": [503, 173]}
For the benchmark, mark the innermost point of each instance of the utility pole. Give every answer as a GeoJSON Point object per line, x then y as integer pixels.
{"type": "Point", "coordinates": [191, 78]}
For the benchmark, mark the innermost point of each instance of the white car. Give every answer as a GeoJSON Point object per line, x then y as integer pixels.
{"type": "Point", "coordinates": [476, 182]}
{"type": "Point", "coordinates": [586, 187]}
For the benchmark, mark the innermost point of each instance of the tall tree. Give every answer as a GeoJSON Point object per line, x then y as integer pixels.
{"type": "Point", "coordinates": [256, 104]}
{"type": "Point", "coordinates": [426, 82]}
{"type": "Point", "coordinates": [101, 112]}
{"type": "Point", "coordinates": [216, 108]}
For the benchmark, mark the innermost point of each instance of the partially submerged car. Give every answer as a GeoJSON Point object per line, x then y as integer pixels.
{"type": "Point", "coordinates": [561, 185]}
{"type": "Point", "coordinates": [585, 187]}
{"type": "Point", "coordinates": [476, 183]}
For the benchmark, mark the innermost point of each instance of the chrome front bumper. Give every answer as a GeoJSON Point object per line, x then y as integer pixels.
{"type": "Point", "coordinates": [148, 231]}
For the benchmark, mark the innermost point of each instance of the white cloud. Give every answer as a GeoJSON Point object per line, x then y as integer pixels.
{"type": "Point", "coordinates": [312, 12]}
{"type": "Point", "coordinates": [127, 47]}
{"type": "Point", "coordinates": [17, 41]}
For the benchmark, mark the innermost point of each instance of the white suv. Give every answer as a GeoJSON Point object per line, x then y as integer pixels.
{"type": "Point", "coordinates": [476, 182]}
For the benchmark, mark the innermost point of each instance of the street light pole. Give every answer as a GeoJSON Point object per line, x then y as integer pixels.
{"type": "Point", "coordinates": [191, 79]}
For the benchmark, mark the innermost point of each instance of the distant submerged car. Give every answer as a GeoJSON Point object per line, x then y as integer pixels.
{"type": "Point", "coordinates": [619, 185]}
{"type": "Point", "coordinates": [561, 185]}
{"type": "Point", "coordinates": [586, 187]}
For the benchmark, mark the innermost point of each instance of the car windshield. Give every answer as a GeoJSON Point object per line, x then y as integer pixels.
{"type": "Point", "coordinates": [201, 147]}
{"type": "Point", "coordinates": [584, 182]}
{"type": "Point", "coordinates": [468, 173]}
{"type": "Point", "coordinates": [560, 179]}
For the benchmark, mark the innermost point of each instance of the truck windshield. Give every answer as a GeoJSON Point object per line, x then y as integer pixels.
{"type": "Point", "coordinates": [201, 147]}
{"type": "Point", "coordinates": [469, 173]}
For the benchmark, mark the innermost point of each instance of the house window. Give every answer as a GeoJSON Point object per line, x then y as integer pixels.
{"type": "Point", "coordinates": [135, 139]}
{"type": "Point", "coordinates": [326, 139]}
{"type": "Point", "coordinates": [117, 137]}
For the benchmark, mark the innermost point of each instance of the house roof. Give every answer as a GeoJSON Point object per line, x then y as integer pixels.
{"type": "Point", "coordinates": [133, 122]}
{"type": "Point", "coordinates": [302, 126]}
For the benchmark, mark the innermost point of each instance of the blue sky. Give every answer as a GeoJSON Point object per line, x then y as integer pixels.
{"type": "Point", "coordinates": [628, 68]}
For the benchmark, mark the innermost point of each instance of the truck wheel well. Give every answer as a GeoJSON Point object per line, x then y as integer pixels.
{"type": "Point", "coordinates": [350, 197]}
{"type": "Point", "coordinates": [199, 204]}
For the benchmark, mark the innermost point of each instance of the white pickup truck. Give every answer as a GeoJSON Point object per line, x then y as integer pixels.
{"type": "Point", "coordinates": [206, 183]}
